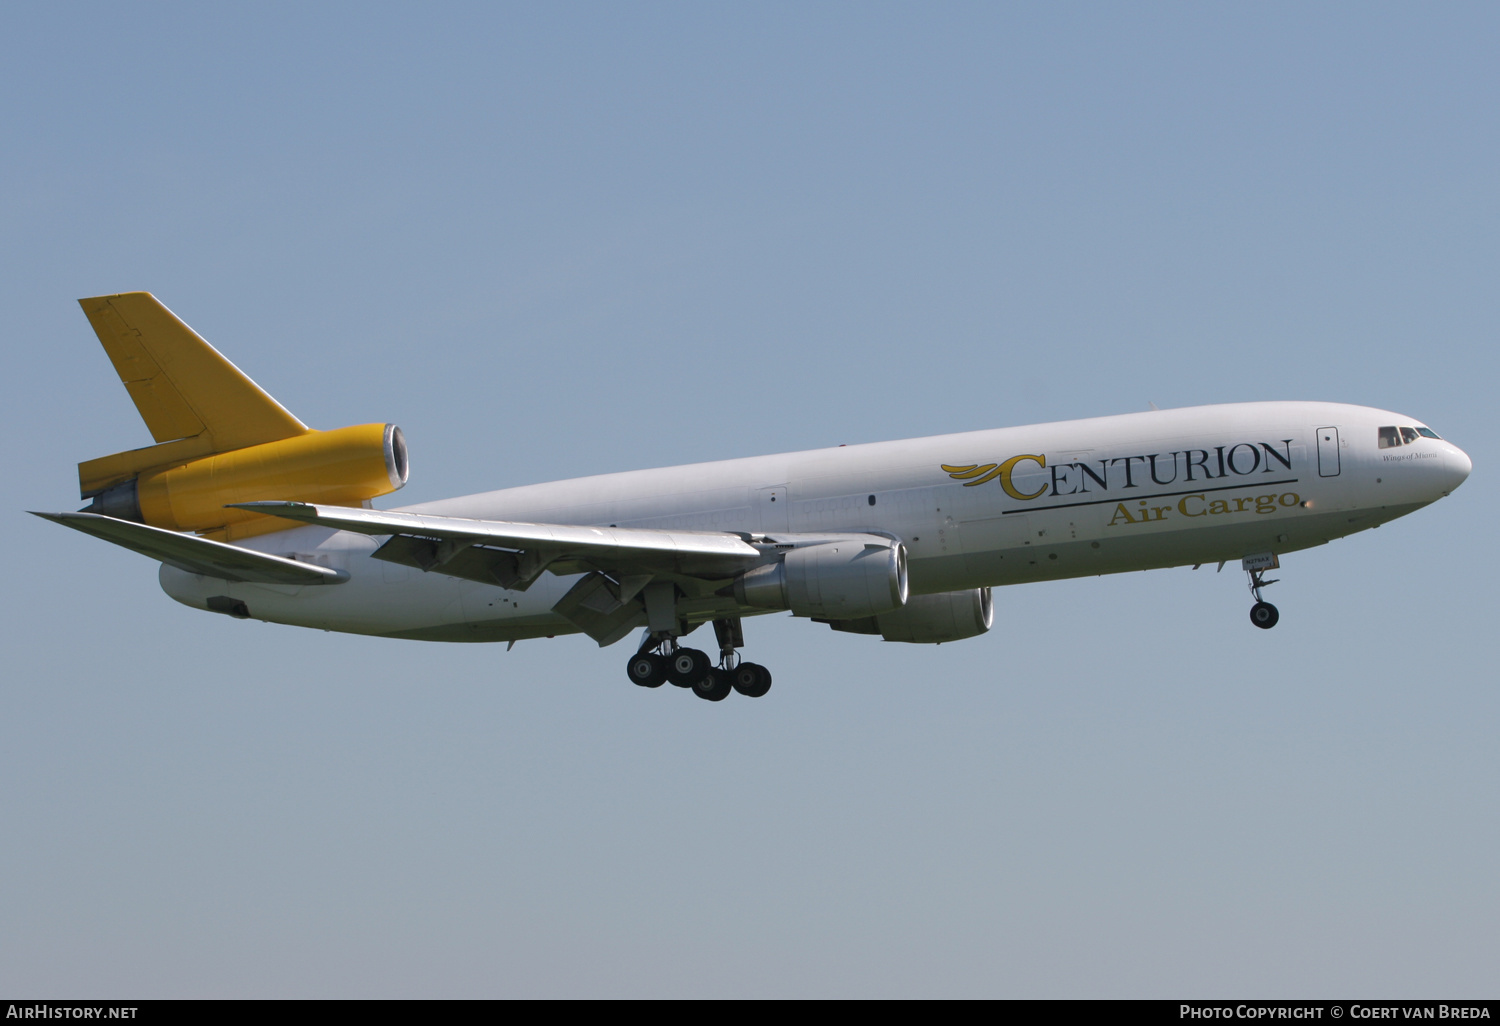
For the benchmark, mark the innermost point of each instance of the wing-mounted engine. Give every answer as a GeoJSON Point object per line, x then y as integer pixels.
{"type": "Point", "coordinates": [929, 619]}
{"type": "Point", "coordinates": [842, 578]}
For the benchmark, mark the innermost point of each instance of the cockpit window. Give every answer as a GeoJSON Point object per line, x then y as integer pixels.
{"type": "Point", "coordinates": [1390, 437]}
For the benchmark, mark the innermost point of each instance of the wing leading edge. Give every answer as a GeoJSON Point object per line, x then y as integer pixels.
{"type": "Point", "coordinates": [437, 542]}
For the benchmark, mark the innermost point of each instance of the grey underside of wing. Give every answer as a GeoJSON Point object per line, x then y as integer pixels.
{"type": "Point", "coordinates": [198, 555]}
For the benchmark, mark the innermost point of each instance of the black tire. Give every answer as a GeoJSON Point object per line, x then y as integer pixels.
{"type": "Point", "coordinates": [687, 666]}
{"type": "Point", "coordinates": [752, 680]}
{"type": "Point", "coordinates": [715, 687]}
{"type": "Point", "coordinates": [1264, 615]}
{"type": "Point", "coordinates": [647, 670]}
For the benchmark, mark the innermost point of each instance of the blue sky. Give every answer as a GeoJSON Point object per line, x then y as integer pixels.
{"type": "Point", "coordinates": [559, 240]}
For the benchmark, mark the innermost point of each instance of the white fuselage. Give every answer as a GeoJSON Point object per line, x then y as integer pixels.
{"type": "Point", "coordinates": [984, 508]}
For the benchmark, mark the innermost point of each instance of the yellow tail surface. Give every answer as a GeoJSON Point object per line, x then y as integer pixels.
{"type": "Point", "coordinates": [221, 439]}
{"type": "Point", "coordinates": [194, 402]}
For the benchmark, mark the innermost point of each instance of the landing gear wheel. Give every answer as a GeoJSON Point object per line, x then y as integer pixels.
{"type": "Point", "coordinates": [687, 667]}
{"type": "Point", "coordinates": [714, 687]}
{"type": "Point", "coordinates": [1264, 615]}
{"type": "Point", "coordinates": [751, 679]}
{"type": "Point", "coordinates": [647, 670]}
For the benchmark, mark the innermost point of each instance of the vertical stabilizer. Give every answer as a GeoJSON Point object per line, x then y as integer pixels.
{"type": "Point", "coordinates": [194, 402]}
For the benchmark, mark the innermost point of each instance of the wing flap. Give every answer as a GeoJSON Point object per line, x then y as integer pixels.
{"type": "Point", "coordinates": [594, 606]}
{"type": "Point", "coordinates": [198, 555]}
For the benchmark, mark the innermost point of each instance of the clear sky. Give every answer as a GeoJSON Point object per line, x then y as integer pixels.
{"type": "Point", "coordinates": [563, 239]}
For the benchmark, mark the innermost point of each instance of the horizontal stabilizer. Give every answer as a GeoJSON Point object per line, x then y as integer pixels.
{"type": "Point", "coordinates": [198, 555]}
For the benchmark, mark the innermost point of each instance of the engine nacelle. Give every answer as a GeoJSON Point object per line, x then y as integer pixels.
{"type": "Point", "coordinates": [838, 580]}
{"type": "Point", "coordinates": [343, 467]}
{"type": "Point", "coordinates": [929, 619]}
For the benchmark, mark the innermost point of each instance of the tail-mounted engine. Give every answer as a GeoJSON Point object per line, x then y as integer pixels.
{"type": "Point", "coordinates": [345, 467]}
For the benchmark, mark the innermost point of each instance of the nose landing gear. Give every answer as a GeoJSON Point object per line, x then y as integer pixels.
{"type": "Point", "coordinates": [1262, 614]}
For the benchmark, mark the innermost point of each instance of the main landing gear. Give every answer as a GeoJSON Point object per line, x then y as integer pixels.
{"type": "Point", "coordinates": [1262, 614]}
{"type": "Point", "coordinates": [660, 660]}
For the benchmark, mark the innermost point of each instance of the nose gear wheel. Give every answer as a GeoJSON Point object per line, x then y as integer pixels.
{"type": "Point", "coordinates": [1264, 615]}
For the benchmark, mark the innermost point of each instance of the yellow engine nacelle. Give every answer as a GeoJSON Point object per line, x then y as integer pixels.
{"type": "Point", "coordinates": [345, 467]}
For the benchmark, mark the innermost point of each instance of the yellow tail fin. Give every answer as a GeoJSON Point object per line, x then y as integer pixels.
{"type": "Point", "coordinates": [194, 402]}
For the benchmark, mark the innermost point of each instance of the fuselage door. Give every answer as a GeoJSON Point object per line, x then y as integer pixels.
{"type": "Point", "coordinates": [1328, 452]}
{"type": "Point", "coordinates": [772, 513]}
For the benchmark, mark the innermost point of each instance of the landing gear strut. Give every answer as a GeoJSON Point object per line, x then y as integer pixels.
{"type": "Point", "coordinates": [660, 659]}
{"type": "Point", "coordinates": [750, 679]}
{"type": "Point", "coordinates": [1262, 614]}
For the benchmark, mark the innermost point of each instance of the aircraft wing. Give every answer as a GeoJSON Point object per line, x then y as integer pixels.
{"type": "Point", "coordinates": [617, 563]}
{"type": "Point", "coordinates": [198, 555]}
{"type": "Point", "coordinates": [515, 554]}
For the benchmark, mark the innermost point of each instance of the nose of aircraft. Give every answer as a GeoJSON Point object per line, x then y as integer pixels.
{"type": "Point", "coordinates": [1456, 467]}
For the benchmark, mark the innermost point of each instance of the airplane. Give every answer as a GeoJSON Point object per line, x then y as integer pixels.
{"type": "Point", "coordinates": [254, 515]}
